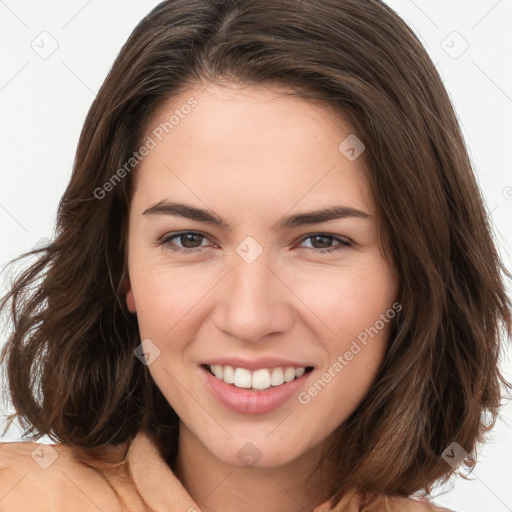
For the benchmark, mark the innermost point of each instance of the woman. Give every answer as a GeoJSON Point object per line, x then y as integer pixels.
{"type": "Point", "coordinates": [273, 284]}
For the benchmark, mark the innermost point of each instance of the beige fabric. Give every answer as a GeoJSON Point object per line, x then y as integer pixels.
{"type": "Point", "coordinates": [37, 477]}
{"type": "Point", "coordinates": [55, 478]}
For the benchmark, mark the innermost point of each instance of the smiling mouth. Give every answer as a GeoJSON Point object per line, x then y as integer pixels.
{"type": "Point", "coordinates": [257, 380]}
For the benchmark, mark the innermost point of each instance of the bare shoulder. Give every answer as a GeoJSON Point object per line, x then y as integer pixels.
{"type": "Point", "coordinates": [396, 504]}
{"type": "Point", "coordinates": [44, 477]}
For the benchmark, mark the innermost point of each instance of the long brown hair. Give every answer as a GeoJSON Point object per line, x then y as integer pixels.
{"type": "Point", "coordinates": [70, 357]}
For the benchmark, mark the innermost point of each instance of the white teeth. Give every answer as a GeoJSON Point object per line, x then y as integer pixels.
{"type": "Point", "coordinates": [300, 372]}
{"type": "Point", "coordinates": [217, 370]}
{"type": "Point", "coordinates": [289, 374]}
{"type": "Point", "coordinates": [260, 379]}
{"type": "Point", "coordinates": [229, 374]}
{"type": "Point", "coordinates": [242, 378]}
{"type": "Point", "coordinates": [277, 377]}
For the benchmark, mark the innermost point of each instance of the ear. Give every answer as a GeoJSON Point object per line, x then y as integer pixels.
{"type": "Point", "coordinates": [130, 301]}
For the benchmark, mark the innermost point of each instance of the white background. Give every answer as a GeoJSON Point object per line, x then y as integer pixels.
{"type": "Point", "coordinates": [44, 101]}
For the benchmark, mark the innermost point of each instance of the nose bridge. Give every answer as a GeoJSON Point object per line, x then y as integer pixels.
{"type": "Point", "coordinates": [253, 303]}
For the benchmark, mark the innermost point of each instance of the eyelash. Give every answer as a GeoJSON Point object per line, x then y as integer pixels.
{"type": "Point", "coordinates": [166, 239]}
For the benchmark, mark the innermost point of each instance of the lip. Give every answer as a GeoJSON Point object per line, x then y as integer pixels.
{"type": "Point", "coordinates": [256, 363]}
{"type": "Point", "coordinates": [249, 402]}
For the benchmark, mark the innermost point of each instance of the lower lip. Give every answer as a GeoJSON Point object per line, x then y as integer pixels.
{"type": "Point", "coordinates": [252, 402]}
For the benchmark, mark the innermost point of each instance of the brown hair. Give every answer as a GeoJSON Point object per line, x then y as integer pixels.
{"type": "Point", "coordinates": [70, 358]}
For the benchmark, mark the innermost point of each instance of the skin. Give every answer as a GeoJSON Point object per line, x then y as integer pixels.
{"type": "Point", "coordinates": [252, 156]}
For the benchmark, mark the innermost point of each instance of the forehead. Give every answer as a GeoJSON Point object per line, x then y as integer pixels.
{"type": "Point", "coordinates": [251, 114]}
{"type": "Point", "coordinates": [250, 142]}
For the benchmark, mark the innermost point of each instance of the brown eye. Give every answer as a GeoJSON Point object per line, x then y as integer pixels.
{"type": "Point", "coordinates": [189, 241]}
{"type": "Point", "coordinates": [322, 243]}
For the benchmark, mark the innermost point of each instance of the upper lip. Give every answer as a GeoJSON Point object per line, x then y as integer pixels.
{"type": "Point", "coordinates": [255, 363]}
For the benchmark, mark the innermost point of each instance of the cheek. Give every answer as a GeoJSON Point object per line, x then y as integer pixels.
{"type": "Point", "coordinates": [351, 298]}
{"type": "Point", "coordinates": [356, 304]}
{"type": "Point", "coordinates": [165, 297]}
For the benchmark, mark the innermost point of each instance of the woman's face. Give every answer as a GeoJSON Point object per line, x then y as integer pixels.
{"type": "Point", "coordinates": [229, 267]}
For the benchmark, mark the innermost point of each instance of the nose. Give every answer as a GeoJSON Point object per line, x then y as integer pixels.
{"type": "Point", "coordinates": [253, 302]}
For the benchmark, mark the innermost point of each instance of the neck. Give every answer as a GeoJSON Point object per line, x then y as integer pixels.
{"type": "Point", "coordinates": [219, 487]}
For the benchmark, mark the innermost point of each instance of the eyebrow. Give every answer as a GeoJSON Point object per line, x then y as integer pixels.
{"type": "Point", "coordinates": [291, 221]}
